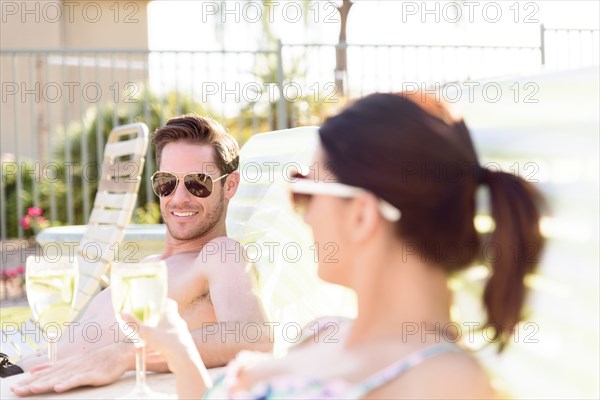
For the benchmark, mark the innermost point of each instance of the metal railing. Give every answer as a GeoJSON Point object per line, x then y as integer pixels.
{"type": "Point", "coordinates": [57, 105]}
{"type": "Point", "coordinates": [568, 47]}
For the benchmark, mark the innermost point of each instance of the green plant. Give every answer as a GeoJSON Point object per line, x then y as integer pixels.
{"type": "Point", "coordinates": [69, 168]}
{"type": "Point", "coordinates": [79, 146]}
{"type": "Point", "coordinates": [19, 180]}
{"type": "Point", "coordinates": [148, 214]}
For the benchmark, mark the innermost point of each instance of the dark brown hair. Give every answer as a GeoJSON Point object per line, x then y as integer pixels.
{"type": "Point", "coordinates": [410, 151]}
{"type": "Point", "coordinates": [200, 130]}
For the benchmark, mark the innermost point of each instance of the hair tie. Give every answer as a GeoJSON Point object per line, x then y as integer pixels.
{"type": "Point", "coordinates": [482, 175]}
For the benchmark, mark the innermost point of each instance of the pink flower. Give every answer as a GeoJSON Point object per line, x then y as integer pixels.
{"type": "Point", "coordinates": [26, 222]}
{"type": "Point", "coordinates": [12, 272]}
{"type": "Point", "coordinates": [42, 222]}
{"type": "Point", "coordinates": [20, 270]}
{"type": "Point", "coordinates": [34, 211]}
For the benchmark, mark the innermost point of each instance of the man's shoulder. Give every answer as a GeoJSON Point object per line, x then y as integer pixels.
{"type": "Point", "coordinates": [222, 253]}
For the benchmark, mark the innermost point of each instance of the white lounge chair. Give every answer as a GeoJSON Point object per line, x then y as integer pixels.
{"type": "Point", "coordinates": [115, 201]}
{"type": "Point", "coordinates": [276, 240]}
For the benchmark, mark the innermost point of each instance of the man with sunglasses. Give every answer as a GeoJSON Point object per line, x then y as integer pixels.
{"type": "Point", "coordinates": [208, 277]}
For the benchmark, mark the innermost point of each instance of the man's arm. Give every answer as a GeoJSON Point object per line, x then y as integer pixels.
{"type": "Point", "coordinates": [239, 312]}
{"type": "Point", "coordinates": [233, 291]}
{"type": "Point", "coordinates": [219, 343]}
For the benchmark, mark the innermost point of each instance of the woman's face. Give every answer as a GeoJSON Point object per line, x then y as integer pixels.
{"type": "Point", "coordinates": [325, 215]}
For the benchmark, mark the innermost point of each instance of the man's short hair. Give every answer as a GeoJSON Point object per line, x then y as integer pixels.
{"type": "Point", "coordinates": [195, 129]}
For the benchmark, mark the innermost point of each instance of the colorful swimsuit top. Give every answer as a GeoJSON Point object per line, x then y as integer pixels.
{"type": "Point", "coordinates": [299, 387]}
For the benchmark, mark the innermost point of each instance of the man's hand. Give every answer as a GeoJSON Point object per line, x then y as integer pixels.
{"type": "Point", "coordinates": [96, 368]}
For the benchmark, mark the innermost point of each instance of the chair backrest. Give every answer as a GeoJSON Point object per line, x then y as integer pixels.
{"type": "Point", "coordinates": [115, 201]}
{"type": "Point", "coordinates": [276, 240]}
{"type": "Point", "coordinates": [122, 167]}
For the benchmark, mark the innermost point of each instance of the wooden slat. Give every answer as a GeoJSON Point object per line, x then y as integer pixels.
{"type": "Point", "coordinates": [136, 129]}
{"type": "Point", "coordinates": [92, 270]}
{"type": "Point", "coordinates": [15, 343]}
{"type": "Point", "coordinates": [94, 278]}
{"type": "Point", "coordinates": [121, 169]}
{"type": "Point", "coordinates": [88, 286]}
{"type": "Point", "coordinates": [115, 200]}
{"type": "Point", "coordinates": [120, 186]}
{"type": "Point", "coordinates": [105, 216]}
{"type": "Point", "coordinates": [96, 252]}
{"type": "Point", "coordinates": [89, 269]}
{"type": "Point", "coordinates": [118, 149]}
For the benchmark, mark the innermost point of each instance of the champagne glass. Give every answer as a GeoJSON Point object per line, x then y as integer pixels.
{"type": "Point", "coordinates": [50, 284]}
{"type": "Point", "coordinates": [139, 289]}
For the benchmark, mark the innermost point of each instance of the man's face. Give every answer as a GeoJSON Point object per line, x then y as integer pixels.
{"type": "Point", "coordinates": [188, 217]}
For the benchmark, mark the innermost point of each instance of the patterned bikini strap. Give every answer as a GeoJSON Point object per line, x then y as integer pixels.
{"type": "Point", "coordinates": [394, 370]}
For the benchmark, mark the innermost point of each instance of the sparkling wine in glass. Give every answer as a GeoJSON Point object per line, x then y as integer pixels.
{"type": "Point", "coordinates": [139, 289]}
{"type": "Point", "coordinates": [50, 284]}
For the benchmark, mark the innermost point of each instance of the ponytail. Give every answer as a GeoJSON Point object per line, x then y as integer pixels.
{"type": "Point", "coordinates": [517, 235]}
{"type": "Point", "coordinates": [399, 147]}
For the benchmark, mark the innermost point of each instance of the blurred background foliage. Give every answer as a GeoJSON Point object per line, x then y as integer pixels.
{"type": "Point", "coordinates": [91, 132]}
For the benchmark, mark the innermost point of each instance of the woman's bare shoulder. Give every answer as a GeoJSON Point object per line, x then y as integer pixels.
{"type": "Point", "coordinates": [452, 375]}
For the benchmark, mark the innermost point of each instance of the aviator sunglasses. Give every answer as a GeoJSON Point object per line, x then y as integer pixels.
{"type": "Point", "coordinates": [303, 188]}
{"type": "Point", "coordinates": [200, 185]}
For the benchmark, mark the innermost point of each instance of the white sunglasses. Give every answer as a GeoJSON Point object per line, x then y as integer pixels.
{"type": "Point", "coordinates": [304, 188]}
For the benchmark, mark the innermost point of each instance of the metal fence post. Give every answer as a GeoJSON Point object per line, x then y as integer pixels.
{"type": "Point", "coordinates": [19, 176]}
{"type": "Point", "coordinates": [3, 234]}
{"type": "Point", "coordinates": [543, 44]}
{"type": "Point", "coordinates": [281, 109]}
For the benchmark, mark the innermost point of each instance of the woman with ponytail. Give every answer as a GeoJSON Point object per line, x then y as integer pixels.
{"type": "Point", "coordinates": [392, 190]}
{"type": "Point", "coordinates": [393, 186]}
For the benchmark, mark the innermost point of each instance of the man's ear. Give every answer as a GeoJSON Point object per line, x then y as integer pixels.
{"type": "Point", "coordinates": [232, 182]}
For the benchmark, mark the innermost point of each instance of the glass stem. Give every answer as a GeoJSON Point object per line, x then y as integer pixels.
{"type": "Point", "coordinates": [140, 369]}
{"type": "Point", "coordinates": [52, 351]}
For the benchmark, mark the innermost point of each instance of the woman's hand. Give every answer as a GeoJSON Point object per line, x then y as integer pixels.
{"type": "Point", "coordinates": [172, 339]}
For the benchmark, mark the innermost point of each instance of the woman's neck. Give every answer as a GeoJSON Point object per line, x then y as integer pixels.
{"type": "Point", "coordinates": [401, 298]}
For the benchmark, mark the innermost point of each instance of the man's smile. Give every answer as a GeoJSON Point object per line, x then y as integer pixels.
{"type": "Point", "coordinates": [184, 213]}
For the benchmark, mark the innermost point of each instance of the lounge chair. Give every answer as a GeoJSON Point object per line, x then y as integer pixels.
{"type": "Point", "coordinates": [115, 201]}
{"type": "Point", "coordinates": [276, 240]}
